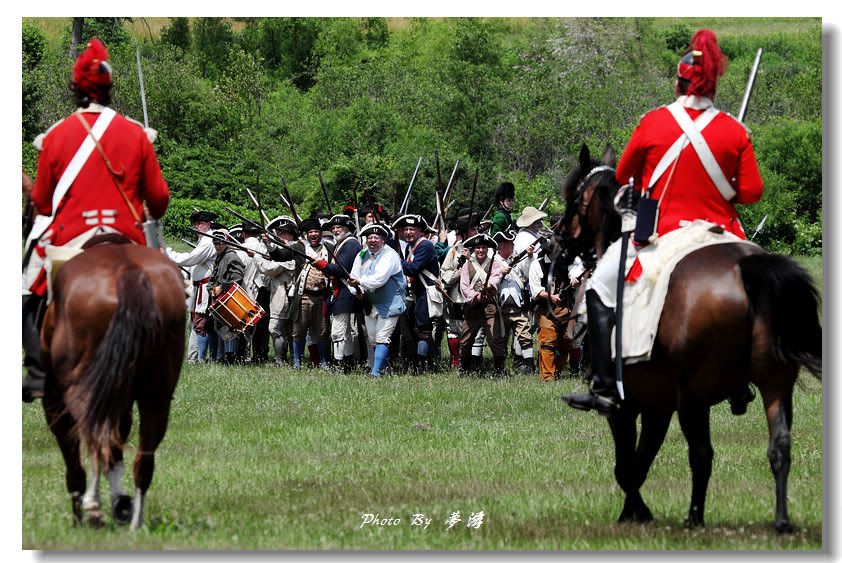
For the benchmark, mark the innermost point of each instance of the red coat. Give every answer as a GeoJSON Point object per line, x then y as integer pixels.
{"type": "Point", "coordinates": [93, 198]}
{"type": "Point", "coordinates": [692, 194]}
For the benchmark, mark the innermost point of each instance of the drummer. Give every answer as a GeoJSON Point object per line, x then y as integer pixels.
{"type": "Point", "coordinates": [228, 269]}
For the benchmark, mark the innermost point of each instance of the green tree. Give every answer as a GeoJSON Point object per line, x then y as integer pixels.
{"type": "Point", "coordinates": [177, 33]}
{"type": "Point", "coordinates": [212, 41]}
{"type": "Point", "coordinates": [33, 47]}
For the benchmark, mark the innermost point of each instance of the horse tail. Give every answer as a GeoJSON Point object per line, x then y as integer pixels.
{"type": "Point", "coordinates": [782, 291]}
{"type": "Point", "coordinates": [105, 390]}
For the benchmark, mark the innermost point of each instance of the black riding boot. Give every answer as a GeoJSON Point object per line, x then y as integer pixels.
{"type": "Point", "coordinates": [33, 384]}
{"type": "Point", "coordinates": [603, 394]}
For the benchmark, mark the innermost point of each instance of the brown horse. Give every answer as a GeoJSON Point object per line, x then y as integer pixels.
{"type": "Point", "coordinates": [733, 315]}
{"type": "Point", "coordinates": [113, 335]}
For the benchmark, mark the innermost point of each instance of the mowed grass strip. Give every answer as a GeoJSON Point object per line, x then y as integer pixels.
{"type": "Point", "coordinates": [267, 458]}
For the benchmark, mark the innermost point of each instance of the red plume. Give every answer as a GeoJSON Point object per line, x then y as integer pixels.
{"type": "Point", "coordinates": [91, 70]}
{"type": "Point", "coordinates": [709, 67]}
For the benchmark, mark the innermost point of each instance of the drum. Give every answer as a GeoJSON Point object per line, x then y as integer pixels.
{"type": "Point", "coordinates": [237, 310]}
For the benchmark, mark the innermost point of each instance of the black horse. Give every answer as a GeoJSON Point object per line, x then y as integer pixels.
{"type": "Point", "coordinates": [733, 314]}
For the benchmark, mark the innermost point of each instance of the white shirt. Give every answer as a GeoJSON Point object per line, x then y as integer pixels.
{"type": "Point", "coordinates": [376, 270]}
{"type": "Point", "coordinates": [201, 258]}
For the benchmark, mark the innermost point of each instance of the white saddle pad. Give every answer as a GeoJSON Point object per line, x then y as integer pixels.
{"type": "Point", "coordinates": [644, 299]}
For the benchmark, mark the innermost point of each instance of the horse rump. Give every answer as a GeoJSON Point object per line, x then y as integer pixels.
{"type": "Point", "coordinates": [104, 391]}
{"type": "Point", "coordinates": [783, 292]}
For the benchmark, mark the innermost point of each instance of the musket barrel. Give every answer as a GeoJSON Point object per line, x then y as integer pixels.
{"type": "Point", "coordinates": [405, 204]}
{"type": "Point", "coordinates": [750, 85]}
{"type": "Point", "coordinates": [142, 89]}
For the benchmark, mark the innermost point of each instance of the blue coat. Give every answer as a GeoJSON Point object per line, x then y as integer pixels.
{"type": "Point", "coordinates": [343, 301]}
{"type": "Point", "coordinates": [426, 258]}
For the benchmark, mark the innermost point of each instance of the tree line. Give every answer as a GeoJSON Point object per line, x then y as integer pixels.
{"type": "Point", "coordinates": [246, 102]}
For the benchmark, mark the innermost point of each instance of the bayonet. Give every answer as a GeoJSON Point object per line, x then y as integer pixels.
{"type": "Point", "coordinates": [259, 208]}
{"type": "Point", "coordinates": [405, 204]}
{"type": "Point", "coordinates": [288, 200]}
{"type": "Point", "coordinates": [759, 227]}
{"type": "Point", "coordinates": [324, 191]}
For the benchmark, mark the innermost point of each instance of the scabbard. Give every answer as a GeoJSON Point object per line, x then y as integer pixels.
{"type": "Point", "coordinates": [618, 315]}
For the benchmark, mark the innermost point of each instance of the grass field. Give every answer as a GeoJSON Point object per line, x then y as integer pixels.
{"type": "Point", "coordinates": [265, 458]}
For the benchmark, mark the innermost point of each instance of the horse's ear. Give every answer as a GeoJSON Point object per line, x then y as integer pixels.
{"type": "Point", "coordinates": [610, 157]}
{"type": "Point", "coordinates": [585, 163]}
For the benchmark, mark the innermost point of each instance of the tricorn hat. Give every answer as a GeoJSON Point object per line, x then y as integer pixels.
{"type": "Point", "coordinates": [203, 216]}
{"type": "Point", "coordinates": [283, 223]}
{"type": "Point", "coordinates": [481, 239]}
{"type": "Point", "coordinates": [376, 229]}
{"type": "Point", "coordinates": [221, 236]}
{"type": "Point", "coordinates": [342, 220]}
{"type": "Point", "coordinates": [410, 220]}
{"type": "Point", "coordinates": [500, 236]}
{"type": "Point", "coordinates": [529, 215]}
{"type": "Point", "coordinates": [309, 225]}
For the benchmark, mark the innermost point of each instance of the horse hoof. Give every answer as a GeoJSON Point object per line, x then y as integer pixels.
{"type": "Point", "coordinates": [784, 527]}
{"type": "Point", "coordinates": [693, 522]}
{"type": "Point", "coordinates": [121, 509]}
{"type": "Point", "coordinates": [94, 519]}
{"type": "Point", "coordinates": [640, 517]}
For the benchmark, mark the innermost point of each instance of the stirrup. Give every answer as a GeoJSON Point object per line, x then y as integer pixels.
{"type": "Point", "coordinates": [603, 404]}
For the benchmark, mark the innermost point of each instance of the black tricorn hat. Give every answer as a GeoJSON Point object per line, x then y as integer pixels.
{"type": "Point", "coordinates": [283, 223]}
{"type": "Point", "coordinates": [480, 240]}
{"type": "Point", "coordinates": [377, 229]}
{"type": "Point", "coordinates": [410, 220]}
{"type": "Point", "coordinates": [309, 225]}
{"type": "Point", "coordinates": [203, 216]}
{"type": "Point", "coordinates": [342, 220]}
{"type": "Point", "coordinates": [500, 236]}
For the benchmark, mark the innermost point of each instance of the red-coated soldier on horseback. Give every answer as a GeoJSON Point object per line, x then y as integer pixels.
{"type": "Point", "coordinates": [715, 170]}
{"type": "Point", "coordinates": [96, 170]}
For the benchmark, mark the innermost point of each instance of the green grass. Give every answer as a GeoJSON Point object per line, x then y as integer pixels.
{"type": "Point", "coordinates": [267, 458]}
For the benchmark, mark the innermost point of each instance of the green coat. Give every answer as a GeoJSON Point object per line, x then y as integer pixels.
{"type": "Point", "coordinates": [500, 221]}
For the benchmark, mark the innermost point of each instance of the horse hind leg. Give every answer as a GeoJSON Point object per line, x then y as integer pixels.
{"type": "Point", "coordinates": [779, 419]}
{"type": "Point", "coordinates": [121, 503]}
{"type": "Point", "coordinates": [695, 424]}
{"type": "Point", "coordinates": [153, 426]}
{"type": "Point", "coordinates": [62, 426]}
{"type": "Point", "coordinates": [91, 505]}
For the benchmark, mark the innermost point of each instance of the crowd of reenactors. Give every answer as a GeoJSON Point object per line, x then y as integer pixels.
{"type": "Point", "coordinates": [364, 290]}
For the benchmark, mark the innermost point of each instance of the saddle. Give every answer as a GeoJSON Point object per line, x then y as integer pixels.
{"type": "Point", "coordinates": [58, 256]}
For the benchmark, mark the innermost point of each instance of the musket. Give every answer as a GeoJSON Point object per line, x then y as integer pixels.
{"type": "Point", "coordinates": [142, 89]}
{"type": "Point", "coordinates": [473, 194]}
{"type": "Point", "coordinates": [442, 209]}
{"type": "Point", "coordinates": [759, 227]}
{"type": "Point", "coordinates": [245, 219]}
{"type": "Point", "coordinates": [544, 204]}
{"type": "Point", "coordinates": [438, 172]}
{"type": "Point", "coordinates": [152, 229]}
{"type": "Point", "coordinates": [230, 243]}
{"type": "Point", "coordinates": [288, 200]}
{"type": "Point", "coordinates": [188, 243]}
{"type": "Point", "coordinates": [324, 191]}
{"type": "Point", "coordinates": [405, 204]}
{"type": "Point", "coordinates": [486, 213]}
{"type": "Point", "coordinates": [438, 210]}
{"type": "Point", "coordinates": [356, 209]}
{"type": "Point", "coordinates": [257, 204]}
{"type": "Point", "coordinates": [750, 85]}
